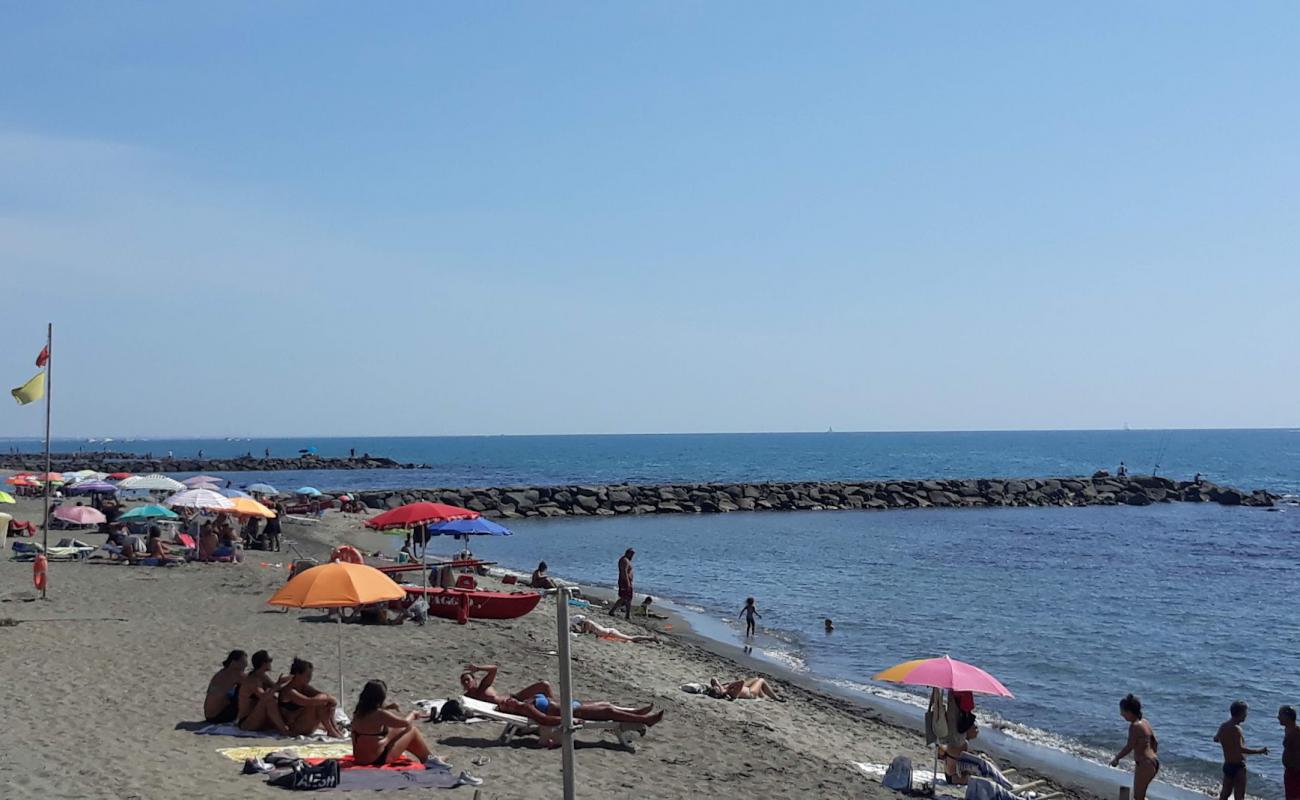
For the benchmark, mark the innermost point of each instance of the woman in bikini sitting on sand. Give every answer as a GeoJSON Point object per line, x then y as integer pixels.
{"type": "Point", "coordinates": [221, 703]}
{"type": "Point", "coordinates": [306, 709]}
{"type": "Point", "coordinates": [259, 708]}
{"type": "Point", "coordinates": [381, 737]}
{"type": "Point", "coordinates": [743, 689]}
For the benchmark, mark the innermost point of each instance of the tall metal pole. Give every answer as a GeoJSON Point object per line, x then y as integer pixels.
{"type": "Point", "coordinates": [566, 690]}
{"type": "Point", "coordinates": [45, 527]}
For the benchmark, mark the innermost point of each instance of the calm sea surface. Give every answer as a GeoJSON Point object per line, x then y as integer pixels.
{"type": "Point", "coordinates": [1188, 606]}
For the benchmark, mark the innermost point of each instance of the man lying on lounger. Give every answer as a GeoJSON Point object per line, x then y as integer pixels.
{"type": "Point", "coordinates": [537, 701]}
{"type": "Point", "coordinates": [481, 688]}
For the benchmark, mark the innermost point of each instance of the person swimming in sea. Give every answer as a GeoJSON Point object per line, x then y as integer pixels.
{"type": "Point", "coordinates": [1233, 741]}
{"type": "Point", "coordinates": [749, 612]}
{"type": "Point", "coordinates": [1141, 743]}
{"type": "Point", "coordinates": [828, 625]}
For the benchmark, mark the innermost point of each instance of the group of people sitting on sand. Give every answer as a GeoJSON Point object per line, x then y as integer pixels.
{"type": "Point", "coordinates": [254, 701]}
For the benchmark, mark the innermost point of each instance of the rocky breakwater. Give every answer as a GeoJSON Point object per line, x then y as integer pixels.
{"type": "Point", "coordinates": [707, 498]}
{"type": "Point", "coordinates": [131, 462]}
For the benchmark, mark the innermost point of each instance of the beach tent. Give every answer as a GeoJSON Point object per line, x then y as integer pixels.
{"type": "Point", "coordinates": [337, 585]}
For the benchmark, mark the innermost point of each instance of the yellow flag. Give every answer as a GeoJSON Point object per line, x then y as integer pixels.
{"type": "Point", "coordinates": [31, 391]}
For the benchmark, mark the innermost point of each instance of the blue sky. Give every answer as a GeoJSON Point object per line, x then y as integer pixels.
{"type": "Point", "coordinates": [420, 218]}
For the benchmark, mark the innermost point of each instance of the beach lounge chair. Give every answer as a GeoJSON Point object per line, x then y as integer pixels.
{"type": "Point", "coordinates": [548, 735]}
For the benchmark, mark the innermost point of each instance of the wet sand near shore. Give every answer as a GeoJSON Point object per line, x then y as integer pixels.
{"type": "Point", "coordinates": [98, 678]}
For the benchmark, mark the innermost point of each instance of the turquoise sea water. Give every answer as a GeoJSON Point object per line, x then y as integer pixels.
{"type": "Point", "coordinates": [1189, 606]}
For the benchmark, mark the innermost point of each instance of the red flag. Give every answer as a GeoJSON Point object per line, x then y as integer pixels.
{"type": "Point", "coordinates": [44, 356]}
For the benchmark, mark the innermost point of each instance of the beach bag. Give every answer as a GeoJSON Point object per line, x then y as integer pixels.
{"type": "Point", "coordinates": [451, 711]}
{"type": "Point", "coordinates": [324, 775]}
{"type": "Point", "coordinates": [899, 774]}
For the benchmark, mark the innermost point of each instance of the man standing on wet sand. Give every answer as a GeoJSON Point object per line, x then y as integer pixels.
{"type": "Point", "coordinates": [1290, 752]}
{"type": "Point", "coordinates": [1233, 741]}
{"type": "Point", "coordinates": [624, 585]}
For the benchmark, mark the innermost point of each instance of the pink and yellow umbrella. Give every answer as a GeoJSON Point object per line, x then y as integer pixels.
{"type": "Point", "coordinates": [944, 673]}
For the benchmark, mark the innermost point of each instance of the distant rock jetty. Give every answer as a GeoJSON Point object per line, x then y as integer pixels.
{"type": "Point", "coordinates": [708, 498]}
{"type": "Point", "coordinates": [107, 461]}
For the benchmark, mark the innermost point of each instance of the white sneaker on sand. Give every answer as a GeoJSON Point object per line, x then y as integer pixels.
{"type": "Point", "coordinates": [433, 762]}
{"type": "Point", "coordinates": [467, 779]}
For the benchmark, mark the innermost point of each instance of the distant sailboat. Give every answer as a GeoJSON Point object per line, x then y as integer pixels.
{"type": "Point", "coordinates": [1126, 427]}
{"type": "Point", "coordinates": [830, 430]}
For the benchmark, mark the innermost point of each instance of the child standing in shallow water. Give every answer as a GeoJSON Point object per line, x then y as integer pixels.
{"type": "Point", "coordinates": [749, 612]}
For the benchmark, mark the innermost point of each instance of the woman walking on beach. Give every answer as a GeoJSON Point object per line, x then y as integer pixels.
{"type": "Point", "coordinates": [1141, 743]}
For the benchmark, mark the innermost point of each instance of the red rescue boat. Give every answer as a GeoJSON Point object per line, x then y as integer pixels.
{"type": "Point", "coordinates": [447, 603]}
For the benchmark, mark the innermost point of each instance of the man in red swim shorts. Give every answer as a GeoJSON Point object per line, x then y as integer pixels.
{"type": "Point", "coordinates": [624, 585]}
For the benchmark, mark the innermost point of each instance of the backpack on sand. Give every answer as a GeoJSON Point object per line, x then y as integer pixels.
{"type": "Point", "coordinates": [899, 774]}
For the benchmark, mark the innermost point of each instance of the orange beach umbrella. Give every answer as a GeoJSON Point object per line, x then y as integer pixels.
{"type": "Point", "coordinates": [248, 507]}
{"type": "Point", "coordinates": [337, 584]}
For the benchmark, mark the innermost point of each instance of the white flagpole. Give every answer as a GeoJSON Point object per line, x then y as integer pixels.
{"type": "Point", "coordinates": [45, 528]}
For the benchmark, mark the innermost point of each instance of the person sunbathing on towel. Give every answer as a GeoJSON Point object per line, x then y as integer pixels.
{"type": "Point", "coordinates": [259, 708]}
{"type": "Point", "coordinates": [545, 711]}
{"type": "Point", "coordinates": [743, 689]}
{"type": "Point", "coordinates": [305, 708]}
{"type": "Point", "coordinates": [481, 688]}
{"type": "Point", "coordinates": [581, 624]}
{"type": "Point", "coordinates": [381, 737]}
{"type": "Point", "coordinates": [221, 703]}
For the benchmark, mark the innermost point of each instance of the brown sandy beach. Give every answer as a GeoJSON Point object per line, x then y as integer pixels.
{"type": "Point", "coordinates": [98, 678]}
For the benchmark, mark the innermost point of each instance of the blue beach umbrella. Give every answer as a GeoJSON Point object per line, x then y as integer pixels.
{"type": "Point", "coordinates": [232, 493]}
{"type": "Point", "coordinates": [261, 488]}
{"type": "Point", "coordinates": [308, 490]}
{"type": "Point", "coordinates": [465, 528]}
{"type": "Point", "coordinates": [469, 527]}
{"type": "Point", "coordinates": [151, 511]}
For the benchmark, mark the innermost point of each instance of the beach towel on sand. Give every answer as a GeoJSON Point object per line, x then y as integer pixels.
{"type": "Point", "coordinates": [240, 733]}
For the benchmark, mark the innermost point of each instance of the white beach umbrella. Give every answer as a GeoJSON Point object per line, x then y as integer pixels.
{"type": "Point", "coordinates": [199, 480]}
{"type": "Point", "coordinates": [198, 498]}
{"type": "Point", "coordinates": [151, 483]}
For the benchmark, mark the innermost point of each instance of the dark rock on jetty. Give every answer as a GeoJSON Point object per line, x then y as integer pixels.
{"type": "Point", "coordinates": [707, 498]}
{"type": "Point", "coordinates": [133, 462]}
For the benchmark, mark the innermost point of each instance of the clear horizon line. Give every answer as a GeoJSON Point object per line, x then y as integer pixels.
{"type": "Point", "coordinates": [195, 437]}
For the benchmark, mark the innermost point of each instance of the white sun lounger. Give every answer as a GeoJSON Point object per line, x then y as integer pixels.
{"type": "Point", "coordinates": [549, 736]}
